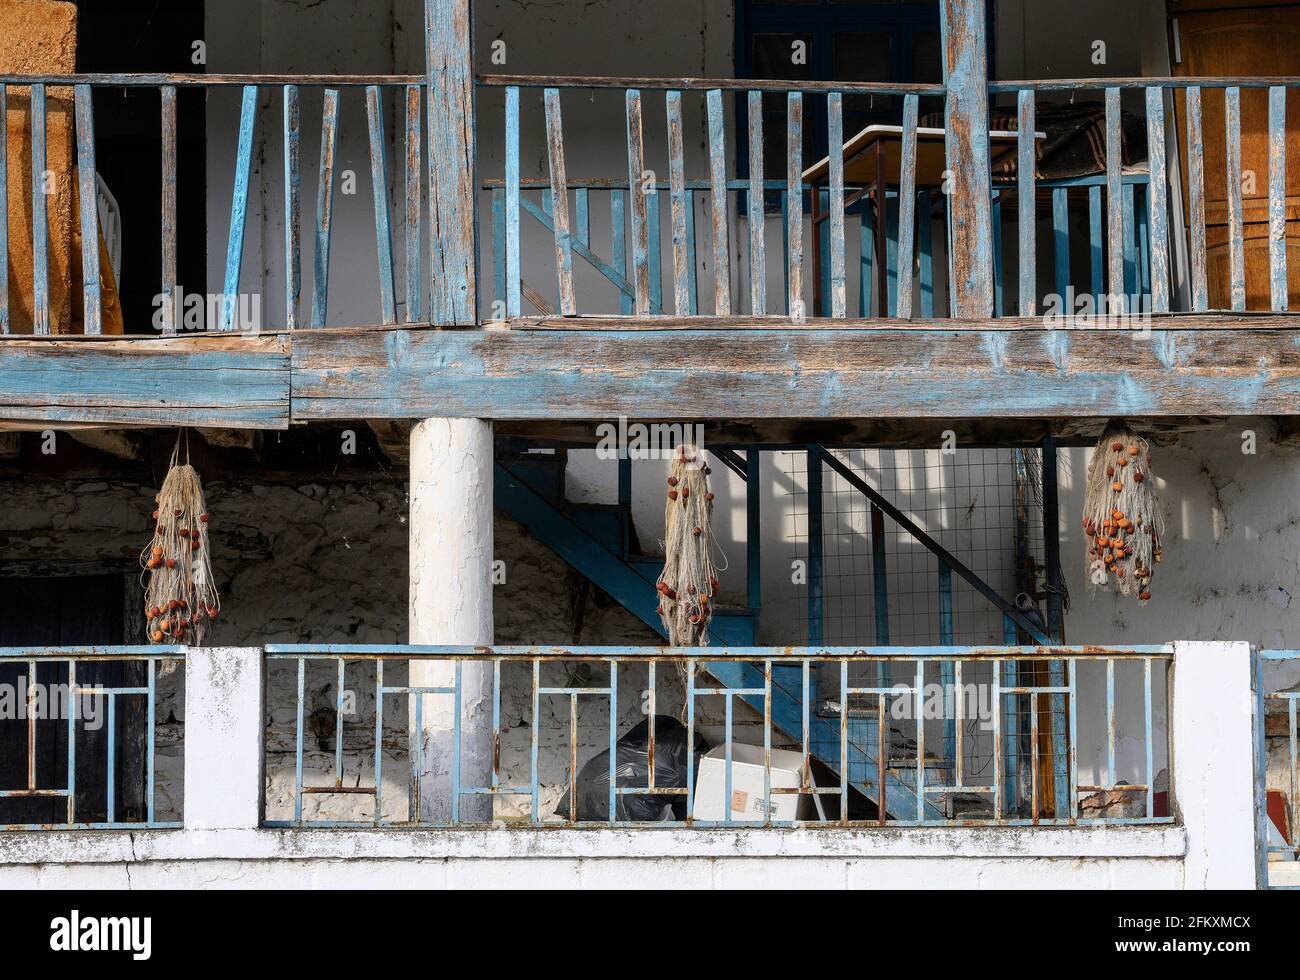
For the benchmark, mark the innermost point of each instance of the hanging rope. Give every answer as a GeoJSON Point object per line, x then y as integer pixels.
{"type": "Point", "coordinates": [181, 599]}
{"type": "Point", "coordinates": [1121, 514]}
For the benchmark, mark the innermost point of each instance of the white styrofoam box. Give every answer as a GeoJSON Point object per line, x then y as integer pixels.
{"type": "Point", "coordinates": [747, 801]}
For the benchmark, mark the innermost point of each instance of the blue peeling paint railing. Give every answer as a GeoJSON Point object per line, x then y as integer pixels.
{"type": "Point", "coordinates": [640, 203]}
{"type": "Point", "coordinates": [51, 685]}
{"type": "Point", "coordinates": [870, 712]}
{"type": "Point", "coordinates": [1284, 704]}
{"type": "Point", "coordinates": [257, 93]}
{"type": "Point", "coordinates": [1131, 247]}
{"type": "Point", "coordinates": [1108, 237]}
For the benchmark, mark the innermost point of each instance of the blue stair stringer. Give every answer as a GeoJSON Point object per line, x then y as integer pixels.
{"type": "Point", "coordinates": [628, 579]}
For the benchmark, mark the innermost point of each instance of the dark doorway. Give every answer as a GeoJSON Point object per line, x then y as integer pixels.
{"type": "Point", "coordinates": [148, 36]}
{"type": "Point", "coordinates": [79, 611]}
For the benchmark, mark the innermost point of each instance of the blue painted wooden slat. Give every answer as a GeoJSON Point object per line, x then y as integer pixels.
{"type": "Point", "coordinates": [1142, 216]}
{"type": "Point", "coordinates": [692, 282]}
{"type": "Point", "coordinates": [1196, 200]}
{"type": "Point", "coordinates": [325, 206]}
{"type": "Point", "coordinates": [91, 288]}
{"type": "Point", "coordinates": [1236, 244]}
{"type": "Point", "coordinates": [40, 216]}
{"type": "Point", "coordinates": [582, 216]}
{"type": "Point", "coordinates": [1158, 200]}
{"type": "Point", "coordinates": [1026, 167]}
{"type": "Point", "coordinates": [866, 263]}
{"type": "Point", "coordinates": [838, 284]}
{"type": "Point", "coordinates": [498, 248]}
{"type": "Point", "coordinates": [414, 205]}
{"type": "Point", "coordinates": [998, 264]}
{"type": "Point", "coordinates": [794, 194]}
{"type": "Point", "coordinates": [1131, 287]}
{"type": "Point", "coordinates": [618, 244]}
{"type": "Point", "coordinates": [292, 206]}
{"type": "Point", "coordinates": [757, 245]}
{"type": "Point", "coordinates": [718, 203]}
{"type": "Point", "coordinates": [1277, 197]}
{"type": "Point", "coordinates": [925, 248]}
{"type": "Point", "coordinates": [907, 207]}
{"type": "Point", "coordinates": [654, 244]}
{"type": "Point", "coordinates": [1096, 248]}
{"type": "Point", "coordinates": [514, 274]}
{"type": "Point", "coordinates": [239, 207]}
{"type": "Point", "coordinates": [560, 203]}
{"type": "Point", "coordinates": [677, 180]}
{"type": "Point", "coordinates": [966, 138]}
{"type": "Point", "coordinates": [1061, 239]}
{"type": "Point", "coordinates": [785, 248]}
{"type": "Point", "coordinates": [636, 178]}
{"type": "Point", "coordinates": [452, 134]}
{"type": "Point", "coordinates": [4, 211]}
{"type": "Point", "coordinates": [1114, 204]}
{"type": "Point", "coordinates": [107, 383]}
{"type": "Point", "coordinates": [167, 209]}
{"type": "Point", "coordinates": [379, 186]}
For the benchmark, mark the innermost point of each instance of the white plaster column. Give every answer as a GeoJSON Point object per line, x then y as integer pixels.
{"type": "Point", "coordinates": [451, 604]}
{"type": "Point", "coordinates": [223, 738]}
{"type": "Point", "coordinates": [1218, 731]}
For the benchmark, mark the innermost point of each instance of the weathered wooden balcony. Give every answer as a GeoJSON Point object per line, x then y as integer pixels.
{"type": "Point", "coordinates": [880, 299]}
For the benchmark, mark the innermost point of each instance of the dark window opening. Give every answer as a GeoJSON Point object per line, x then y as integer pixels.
{"type": "Point", "coordinates": [844, 40]}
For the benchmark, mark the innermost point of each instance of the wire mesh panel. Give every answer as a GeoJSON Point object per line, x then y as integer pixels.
{"type": "Point", "coordinates": [880, 584]}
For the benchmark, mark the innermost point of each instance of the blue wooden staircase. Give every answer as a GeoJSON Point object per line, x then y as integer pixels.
{"type": "Point", "coordinates": [599, 541]}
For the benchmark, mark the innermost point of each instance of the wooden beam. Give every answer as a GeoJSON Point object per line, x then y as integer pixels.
{"type": "Point", "coordinates": [229, 381]}
{"type": "Point", "coordinates": [448, 28]}
{"type": "Point", "coordinates": [966, 140]}
{"type": "Point", "coordinates": [812, 373]}
{"type": "Point", "coordinates": [122, 443]}
{"type": "Point", "coordinates": [245, 439]}
{"type": "Point", "coordinates": [394, 438]}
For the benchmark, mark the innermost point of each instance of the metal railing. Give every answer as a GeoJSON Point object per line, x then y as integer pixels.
{"type": "Point", "coordinates": [79, 743]}
{"type": "Point", "coordinates": [1065, 743]}
{"type": "Point", "coordinates": [1282, 737]}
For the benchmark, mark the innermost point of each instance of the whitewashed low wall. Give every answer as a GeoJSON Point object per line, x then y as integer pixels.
{"type": "Point", "coordinates": [1002, 857]}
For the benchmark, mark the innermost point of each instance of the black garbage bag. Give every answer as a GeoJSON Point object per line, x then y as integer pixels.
{"type": "Point", "coordinates": [632, 768]}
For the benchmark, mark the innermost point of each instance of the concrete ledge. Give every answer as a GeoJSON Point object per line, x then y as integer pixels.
{"type": "Point", "coordinates": [114, 847]}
